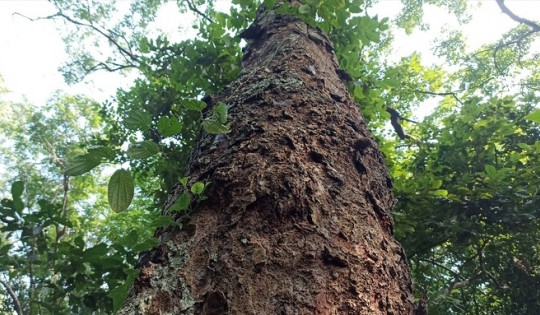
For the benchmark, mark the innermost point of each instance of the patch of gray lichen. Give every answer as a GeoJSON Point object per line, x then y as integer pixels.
{"type": "Point", "coordinates": [286, 81]}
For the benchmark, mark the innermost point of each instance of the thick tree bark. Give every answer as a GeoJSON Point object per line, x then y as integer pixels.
{"type": "Point", "coordinates": [298, 216]}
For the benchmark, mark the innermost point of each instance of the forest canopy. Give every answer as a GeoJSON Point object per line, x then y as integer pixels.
{"type": "Point", "coordinates": [84, 181]}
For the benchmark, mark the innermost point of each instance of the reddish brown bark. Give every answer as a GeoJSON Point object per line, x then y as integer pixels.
{"type": "Point", "coordinates": [298, 216]}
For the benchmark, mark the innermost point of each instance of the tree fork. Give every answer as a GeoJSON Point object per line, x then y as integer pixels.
{"type": "Point", "coordinates": [297, 219]}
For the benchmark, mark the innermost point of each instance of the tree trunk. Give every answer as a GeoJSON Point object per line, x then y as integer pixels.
{"type": "Point", "coordinates": [297, 219]}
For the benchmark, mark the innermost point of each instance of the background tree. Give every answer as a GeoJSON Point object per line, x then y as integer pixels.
{"type": "Point", "coordinates": [61, 248]}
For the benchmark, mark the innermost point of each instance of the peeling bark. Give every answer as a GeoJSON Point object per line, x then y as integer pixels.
{"type": "Point", "coordinates": [298, 217]}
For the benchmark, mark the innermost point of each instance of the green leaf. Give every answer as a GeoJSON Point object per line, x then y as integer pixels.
{"type": "Point", "coordinates": [523, 145]}
{"type": "Point", "coordinates": [161, 221]}
{"type": "Point", "coordinates": [81, 164]}
{"type": "Point", "coordinates": [215, 127]}
{"type": "Point", "coordinates": [138, 120]}
{"type": "Point", "coordinates": [102, 153]}
{"type": "Point", "coordinates": [373, 36]}
{"type": "Point", "coordinates": [79, 242]}
{"type": "Point", "coordinates": [441, 192]}
{"type": "Point", "coordinates": [534, 116]}
{"type": "Point", "coordinates": [118, 294]}
{"type": "Point", "coordinates": [436, 183]}
{"type": "Point", "coordinates": [95, 252]}
{"type": "Point", "coordinates": [17, 189]}
{"type": "Point", "coordinates": [198, 188]}
{"type": "Point", "coordinates": [121, 190]}
{"type": "Point", "coordinates": [304, 9]}
{"type": "Point", "coordinates": [169, 126]}
{"type": "Point", "coordinates": [18, 205]}
{"type": "Point", "coordinates": [183, 181]}
{"type": "Point", "coordinates": [182, 203]}
{"type": "Point", "coordinates": [194, 104]}
{"type": "Point", "coordinates": [490, 170]}
{"type": "Point", "coordinates": [130, 239]}
{"type": "Point", "coordinates": [143, 45]}
{"type": "Point", "coordinates": [221, 111]}
{"type": "Point", "coordinates": [148, 243]}
{"type": "Point", "coordinates": [143, 150]}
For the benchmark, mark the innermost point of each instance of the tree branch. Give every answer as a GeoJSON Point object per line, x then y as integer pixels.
{"type": "Point", "coordinates": [438, 264]}
{"type": "Point", "coordinates": [127, 54]}
{"type": "Point", "coordinates": [453, 94]}
{"type": "Point", "coordinates": [395, 118]}
{"type": "Point", "coordinates": [14, 297]}
{"type": "Point", "coordinates": [535, 27]}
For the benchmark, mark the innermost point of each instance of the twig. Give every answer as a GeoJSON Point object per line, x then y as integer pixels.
{"type": "Point", "coordinates": [125, 53]}
{"type": "Point", "coordinates": [194, 9]}
{"type": "Point", "coordinates": [453, 94]}
{"type": "Point", "coordinates": [432, 261]}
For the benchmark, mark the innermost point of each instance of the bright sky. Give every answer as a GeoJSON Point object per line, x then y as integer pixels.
{"type": "Point", "coordinates": [31, 52]}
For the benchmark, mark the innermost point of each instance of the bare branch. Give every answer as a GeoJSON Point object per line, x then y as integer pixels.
{"type": "Point", "coordinates": [453, 94]}
{"type": "Point", "coordinates": [465, 283]}
{"type": "Point", "coordinates": [125, 52]}
{"type": "Point", "coordinates": [104, 66]}
{"type": "Point", "coordinates": [14, 297]}
{"type": "Point", "coordinates": [395, 118]}
{"type": "Point", "coordinates": [438, 264]}
{"type": "Point", "coordinates": [535, 27]}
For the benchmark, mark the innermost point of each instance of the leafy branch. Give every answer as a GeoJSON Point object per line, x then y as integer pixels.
{"type": "Point", "coordinates": [535, 27]}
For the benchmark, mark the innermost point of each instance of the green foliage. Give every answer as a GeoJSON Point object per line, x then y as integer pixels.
{"type": "Point", "coordinates": [534, 116]}
{"type": "Point", "coordinates": [412, 14]}
{"type": "Point", "coordinates": [217, 123]}
{"type": "Point", "coordinates": [61, 249]}
{"type": "Point", "coordinates": [482, 156]}
{"type": "Point", "coordinates": [185, 200]}
{"type": "Point", "coordinates": [118, 295]}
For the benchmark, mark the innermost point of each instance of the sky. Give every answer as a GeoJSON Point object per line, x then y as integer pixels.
{"type": "Point", "coordinates": [32, 52]}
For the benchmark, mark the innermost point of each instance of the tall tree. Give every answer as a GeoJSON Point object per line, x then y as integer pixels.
{"type": "Point", "coordinates": [297, 218]}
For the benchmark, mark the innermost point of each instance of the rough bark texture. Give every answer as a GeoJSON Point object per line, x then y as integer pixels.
{"type": "Point", "coordinates": [298, 216]}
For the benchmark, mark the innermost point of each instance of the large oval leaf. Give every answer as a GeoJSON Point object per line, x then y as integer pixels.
{"type": "Point", "coordinates": [143, 150]}
{"type": "Point", "coordinates": [121, 189]}
{"type": "Point", "coordinates": [169, 126]}
{"type": "Point", "coordinates": [220, 110]}
{"type": "Point", "coordinates": [81, 164]}
{"type": "Point", "coordinates": [138, 119]}
{"type": "Point", "coordinates": [534, 116]}
{"type": "Point", "coordinates": [193, 104]}
{"type": "Point", "coordinates": [215, 127]}
{"type": "Point", "coordinates": [182, 203]}
{"type": "Point", "coordinates": [17, 189]}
